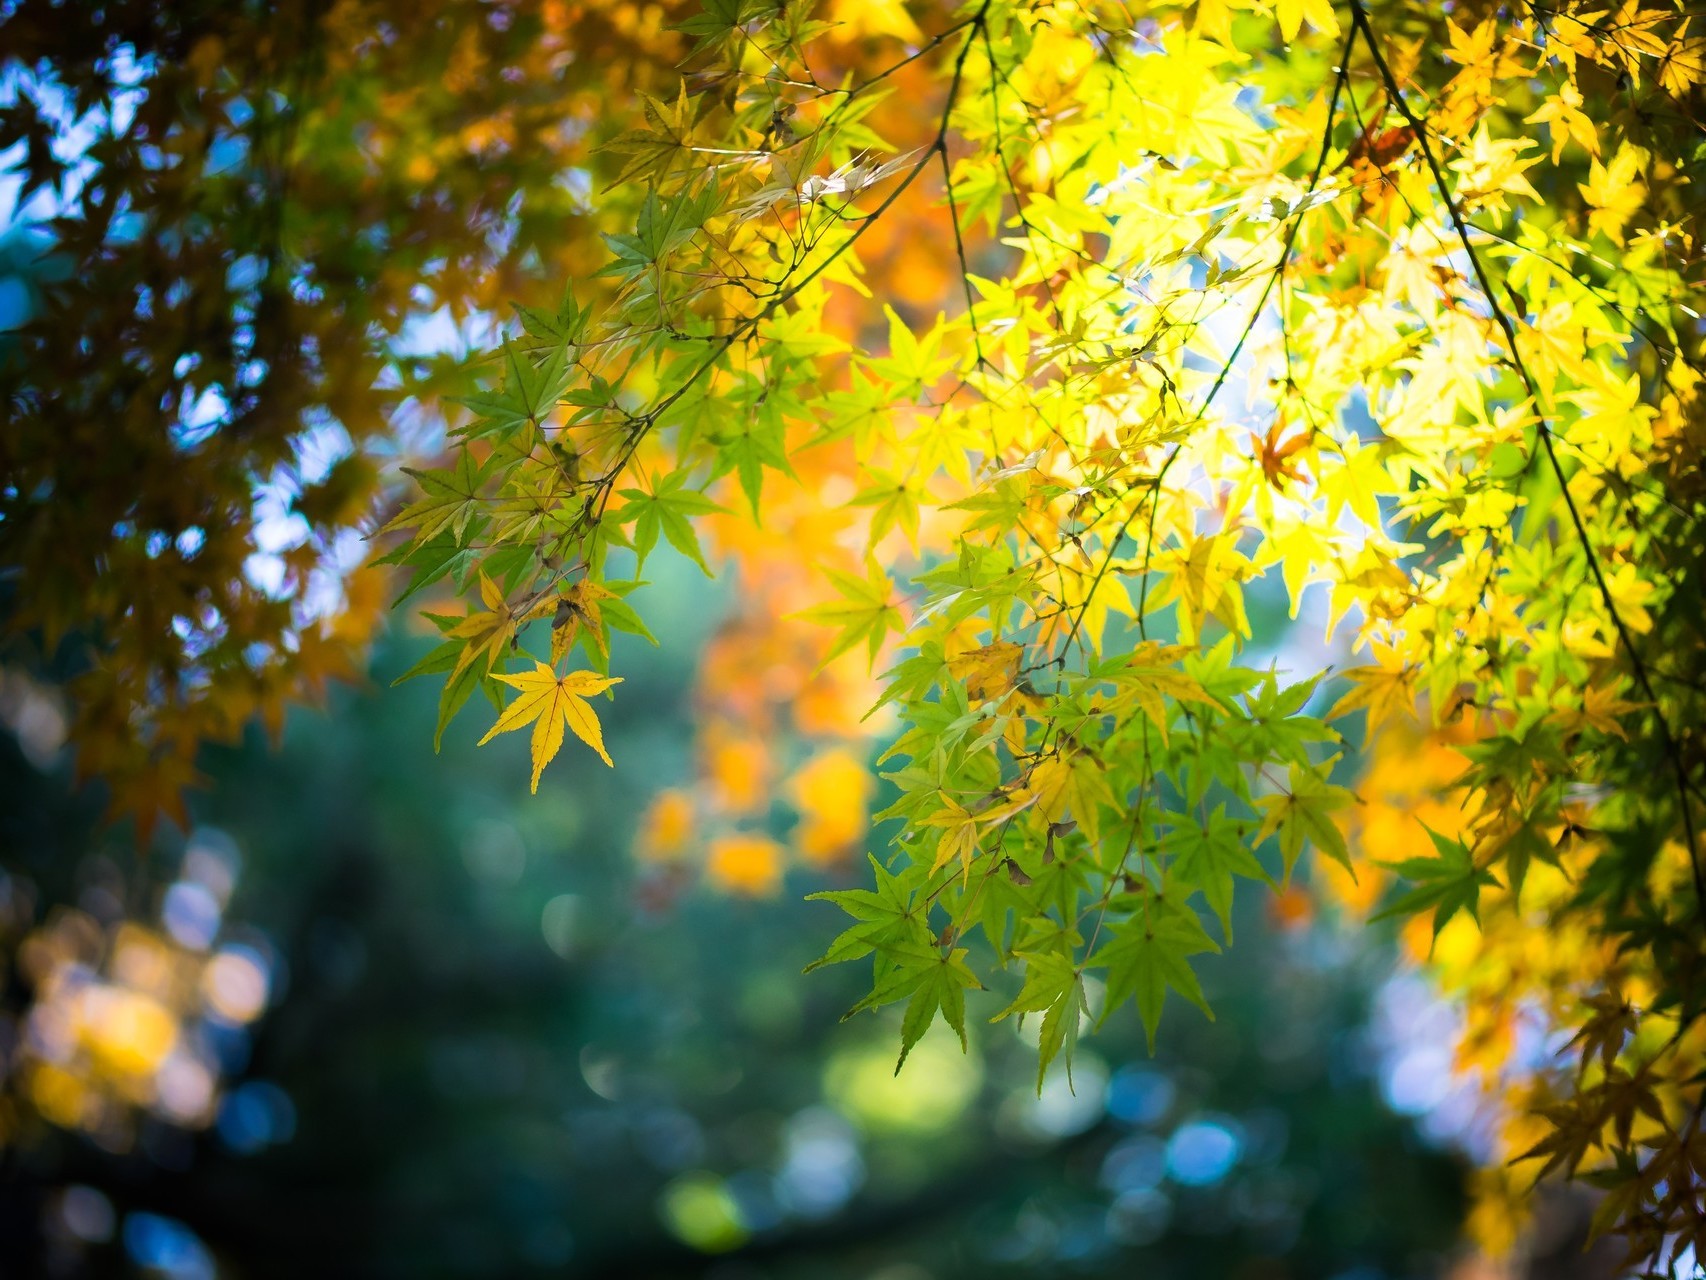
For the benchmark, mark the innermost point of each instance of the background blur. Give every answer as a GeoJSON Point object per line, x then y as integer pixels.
{"type": "Point", "coordinates": [433, 1026]}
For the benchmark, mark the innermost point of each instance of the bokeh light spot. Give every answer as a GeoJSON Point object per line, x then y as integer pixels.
{"type": "Point", "coordinates": [87, 1214]}
{"type": "Point", "coordinates": [191, 914]}
{"type": "Point", "coordinates": [167, 1247]}
{"type": "Point", "coordinates": [699, 1210]}
{"type": "Point", "coordinates": [928, 1095]}
{"type": "Point", "coordinates": [235, 984]}
{"type": "Point", "coordinates": [559, 923]}
{"type": "Point", "coordinates": [1202, 1152]}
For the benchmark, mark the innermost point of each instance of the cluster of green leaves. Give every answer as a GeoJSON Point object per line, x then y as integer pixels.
{"type": "Point", "coordinates": [1094, 848]}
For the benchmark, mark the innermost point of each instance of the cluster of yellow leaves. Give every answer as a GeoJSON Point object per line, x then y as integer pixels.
{"type": "Point", "coordinates": [1521, 960]}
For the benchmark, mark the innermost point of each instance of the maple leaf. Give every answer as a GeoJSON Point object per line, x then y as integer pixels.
{"type": "Point", "coordinates": [1357, 483]}
{"type": "Point", "coordinates": [1204, 576]}
{"type": "Point", "coordinates": [885, 916]}
{"type": "Point", "coordinates": [550, 702]}
{"type": "Point", "coordinates": [656, 149]}
{"type": "Point", "coordinates": [867, 611]}
{"type": "Point", "coordinates": [1481, 450]}
{"type": "Point", "coordinates": [1381, 147]}
{"type": "Point", "coordinates": [1148, 956]}
{"type": "Point", "coordinates": [1292, 14]}
{"type": "Point", "coordinates": [1276, 455]}
{"type": "Point", "coordinates": [452, 499]}
{"type": "Point", "coordinates": [1604, 1034]}
{"type": "Point", "coordinates": [941, 987]}
{"type": "Point", "coordinates": [1387, 691]}
{"type": "Point", "coordinates": [1304, 811]}
{"type": "Point", "coordinates": [1054, 987]}
{"type": "Point", "coordinates": [1449, 882]}
{"type": "Point", "coordinates": [1684, 62]}
{"type": "Point", "coordinates": [1601, 708]}
{"type": "Point", "coordinates": [1563, 113]}
{"type": "Point", "coordinates": [722, 21]}
{"type": "Point", "coordinates": [484, 633]}
{"type": "Point", "coordinates": [579, 607]}
{"type": "Point", "coordinates": [895, 503]}
{"type": "Point", "coordinates": [1207, 857]}
{"type": "Point", "coordinates": [959, 837]}
{"type": "Point", "coordinates": [1147, 678]}
{"type": "Point", "coordinates": [1072, 783]}
{"type": "Point", "coordinates": [1613, 194]}
{"type": "Point", "coordinates": [667, 509]}
{"type": "Point", "coordinates": [989, 671]}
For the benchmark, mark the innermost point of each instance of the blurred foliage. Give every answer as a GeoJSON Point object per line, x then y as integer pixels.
{"type": "Point", "coordinates": [246, 227]}
{"type": "Point", "coordinates": [494, 1044]}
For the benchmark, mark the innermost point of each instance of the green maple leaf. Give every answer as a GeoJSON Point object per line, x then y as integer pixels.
{"type": "Point", "coordinates": [1148, 955]}
{"type": "Point", "coordinates": [451, 498]}
{"type": "Point", "coordinates": [1054, 987]}
{"type": "Point", "coordinates": [667, 509]}
{"type": "Point", "coordinates": [1448, 883]}
{"type": "Point", "coordinates": [884, 915]}
{"type": "Point", "coordinates": [529, 393]}
{"type": "Point", "coordinates": [941, 988]}
{"type": "Point", "coordinates": [1207, 857]}
{"type": "Point", "coordinates": [1304, 812]}
{"type": "Point", "coordinates": [866, 611]}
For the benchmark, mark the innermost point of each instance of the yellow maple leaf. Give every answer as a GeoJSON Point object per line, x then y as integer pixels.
{"type": "Point", "coordinates": [1492, 168]}
{"type": "Point", "coordinates": [1214, 21]}
{"type": "Point", "coordinates": [549, 702]}
{"type": "Point", "coordinates": [988, 672]}
{"type": "Point", "coordinates": [1204, 574]}
{"type": "Point", "coordinates": [1684, 64]}
{"type": "Point", "coordinates": [1628, 594]}
{"type": "Point", "coordinates": [1074, 784]}
{"type": "Point", "coordinates": [1597, 707]}
{"type": "Point", "coordinates": [1387, 690]}
{"type": "Point", "coordinates": [1563, 112]}
{"type": "Point", "coordinates": [959, 835]}
{"type": "Point", "coordinates": [1471, 48]}
{"type": "Point", "coordinates": [1613, 193]}
{"type": "Point", "coordinates": [960, 826]}
{"type": "Point", "coordinates": [578, 607]}
{"type": "Point", "coordinates": [1634, 31]}
{"type": "Point", "coordinates": [486, 631]}
{"type": "Point", "coordinates": [1293, 13]}
{"type": "Point", "coordinates": [877, 18]}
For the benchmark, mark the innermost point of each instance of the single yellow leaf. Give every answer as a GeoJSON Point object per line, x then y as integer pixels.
{"type": "Point", "coordinates": [877, 18]}
{"type": "Point", "coordinates": [549, 702]}
{"type": "Point", "coordinates": [1292, 14]}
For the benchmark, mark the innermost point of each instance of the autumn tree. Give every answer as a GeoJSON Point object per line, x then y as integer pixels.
{"type": "Point", "coordinates": [1393, 308]}
{"type": "Point", "coordinates": [1008, 350]}
{"type": "Point", "coordinates": [235, 221]}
